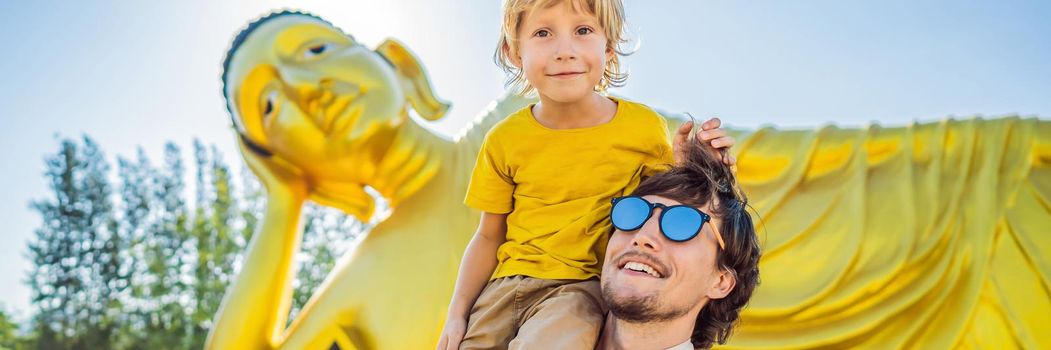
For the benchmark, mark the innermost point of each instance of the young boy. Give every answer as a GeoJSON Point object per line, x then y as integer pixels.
{"type": "Point", "coordinates": [545, 176]}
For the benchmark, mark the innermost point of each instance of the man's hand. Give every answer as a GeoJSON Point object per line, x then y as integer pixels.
{"type": "Point", "coordinates": [711, 133]}
{"type": "Point", "coordinates": [453, 333]}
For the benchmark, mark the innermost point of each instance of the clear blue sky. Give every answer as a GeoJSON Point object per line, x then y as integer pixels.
{"type": "Point", "coordinates": [140, 73]}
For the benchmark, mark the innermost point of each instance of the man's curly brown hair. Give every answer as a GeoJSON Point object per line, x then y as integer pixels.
{"type": "Point", "coordinates": [703, 178]}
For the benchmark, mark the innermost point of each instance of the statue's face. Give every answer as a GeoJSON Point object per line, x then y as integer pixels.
{"type": "Point", "coordinates": [308, 93]}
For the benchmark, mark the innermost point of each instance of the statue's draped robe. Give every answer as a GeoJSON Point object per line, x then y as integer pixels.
{"type": "Point", "coordinates": [929, 236]}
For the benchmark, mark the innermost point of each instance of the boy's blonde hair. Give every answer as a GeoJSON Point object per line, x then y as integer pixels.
{"type": "Point", "coordinates": [610, 14]}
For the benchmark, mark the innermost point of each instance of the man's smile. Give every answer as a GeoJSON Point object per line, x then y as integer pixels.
{"type": "Point", "coordinates": [641, 264]}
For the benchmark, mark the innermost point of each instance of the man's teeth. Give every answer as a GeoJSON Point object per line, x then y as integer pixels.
{"type": "Point", "coordinates": [640, 267]}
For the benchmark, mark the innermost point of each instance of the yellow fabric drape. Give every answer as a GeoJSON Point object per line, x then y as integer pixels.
{"type": "Point", "coordinates": [928, 236]}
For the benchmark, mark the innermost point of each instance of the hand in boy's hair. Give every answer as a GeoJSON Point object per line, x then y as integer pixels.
{"type": "Point", "coordinates": [712, 134]}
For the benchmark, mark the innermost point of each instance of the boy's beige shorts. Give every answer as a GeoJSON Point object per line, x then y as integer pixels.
{"type": "Point", "coordinates": [521, 312]}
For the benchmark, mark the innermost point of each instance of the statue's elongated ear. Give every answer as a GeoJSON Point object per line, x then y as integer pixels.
{"type": "Point", "coordinates": [414, 80]}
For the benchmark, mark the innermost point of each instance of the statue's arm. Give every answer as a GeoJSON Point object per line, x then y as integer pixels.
{"type": "Point", "coordinates": [255, 308]}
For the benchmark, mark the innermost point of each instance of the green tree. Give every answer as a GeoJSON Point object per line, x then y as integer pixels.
{"type": "Point", "coordinates": [168, 257]}
{"type": "Point", "coordinates": [9, 333]}
{"type": "Point", "coordinates": [214, 228]}
{"type": "Point", "coordinates": [104, 259]}
{"type": "Point", "coordinates": [135, 264]}
{"type": "Point", "coordinates": [76, 280]}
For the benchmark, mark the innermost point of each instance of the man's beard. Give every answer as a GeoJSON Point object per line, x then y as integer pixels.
{"type": "Point", "coordinates": [639, 309]}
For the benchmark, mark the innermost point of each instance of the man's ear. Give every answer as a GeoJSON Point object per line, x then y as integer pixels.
{"type": "Point", "coordinates": [413, 80]}
{"type": "Point", "coordinates": [724, 284]}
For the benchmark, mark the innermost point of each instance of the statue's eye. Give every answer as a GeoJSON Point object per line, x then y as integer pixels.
{"type": "Point", "coordinates": [268, 105]}
{"type": "Point", "coordinates": [315, 51]}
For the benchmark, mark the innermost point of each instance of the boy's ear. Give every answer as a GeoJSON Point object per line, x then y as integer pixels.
{"type": "Point", "coordinates": [516, 60]}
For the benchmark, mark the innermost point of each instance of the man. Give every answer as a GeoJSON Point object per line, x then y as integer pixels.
{"type": "Point", "coordinates": [682, 260]}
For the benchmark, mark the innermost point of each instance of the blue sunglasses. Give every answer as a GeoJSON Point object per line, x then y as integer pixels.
{"type": "Point", "coordinates": [678, 223]}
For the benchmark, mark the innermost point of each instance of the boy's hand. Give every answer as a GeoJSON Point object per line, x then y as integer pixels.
{"type": "Point", "coordinates": [453, 333]}
{"type": "Point", "coordinates": [710, 132]}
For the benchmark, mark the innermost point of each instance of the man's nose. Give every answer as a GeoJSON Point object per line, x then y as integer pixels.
{"type": "Point", "coordinates": [649, 235]}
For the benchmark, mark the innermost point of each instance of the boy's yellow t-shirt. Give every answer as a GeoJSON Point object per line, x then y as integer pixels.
{"type": "Point", "coordinates": [556, 185]}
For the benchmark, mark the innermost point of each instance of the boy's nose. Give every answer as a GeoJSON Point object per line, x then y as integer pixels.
{"type": "Point", "coordinates": [561, 56]}
{"type": "Point", "coordinates": [565, 51]}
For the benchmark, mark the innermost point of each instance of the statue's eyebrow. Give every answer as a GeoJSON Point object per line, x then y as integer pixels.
{"type": "Point", "coordinates": [292, 40]}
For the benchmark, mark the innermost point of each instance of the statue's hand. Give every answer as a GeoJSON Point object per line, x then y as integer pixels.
{"type": "Point", "coordinates": [278, 176]}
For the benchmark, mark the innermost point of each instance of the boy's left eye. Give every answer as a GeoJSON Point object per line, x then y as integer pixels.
{"type": "Point", "coordinates": [584, 31]}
